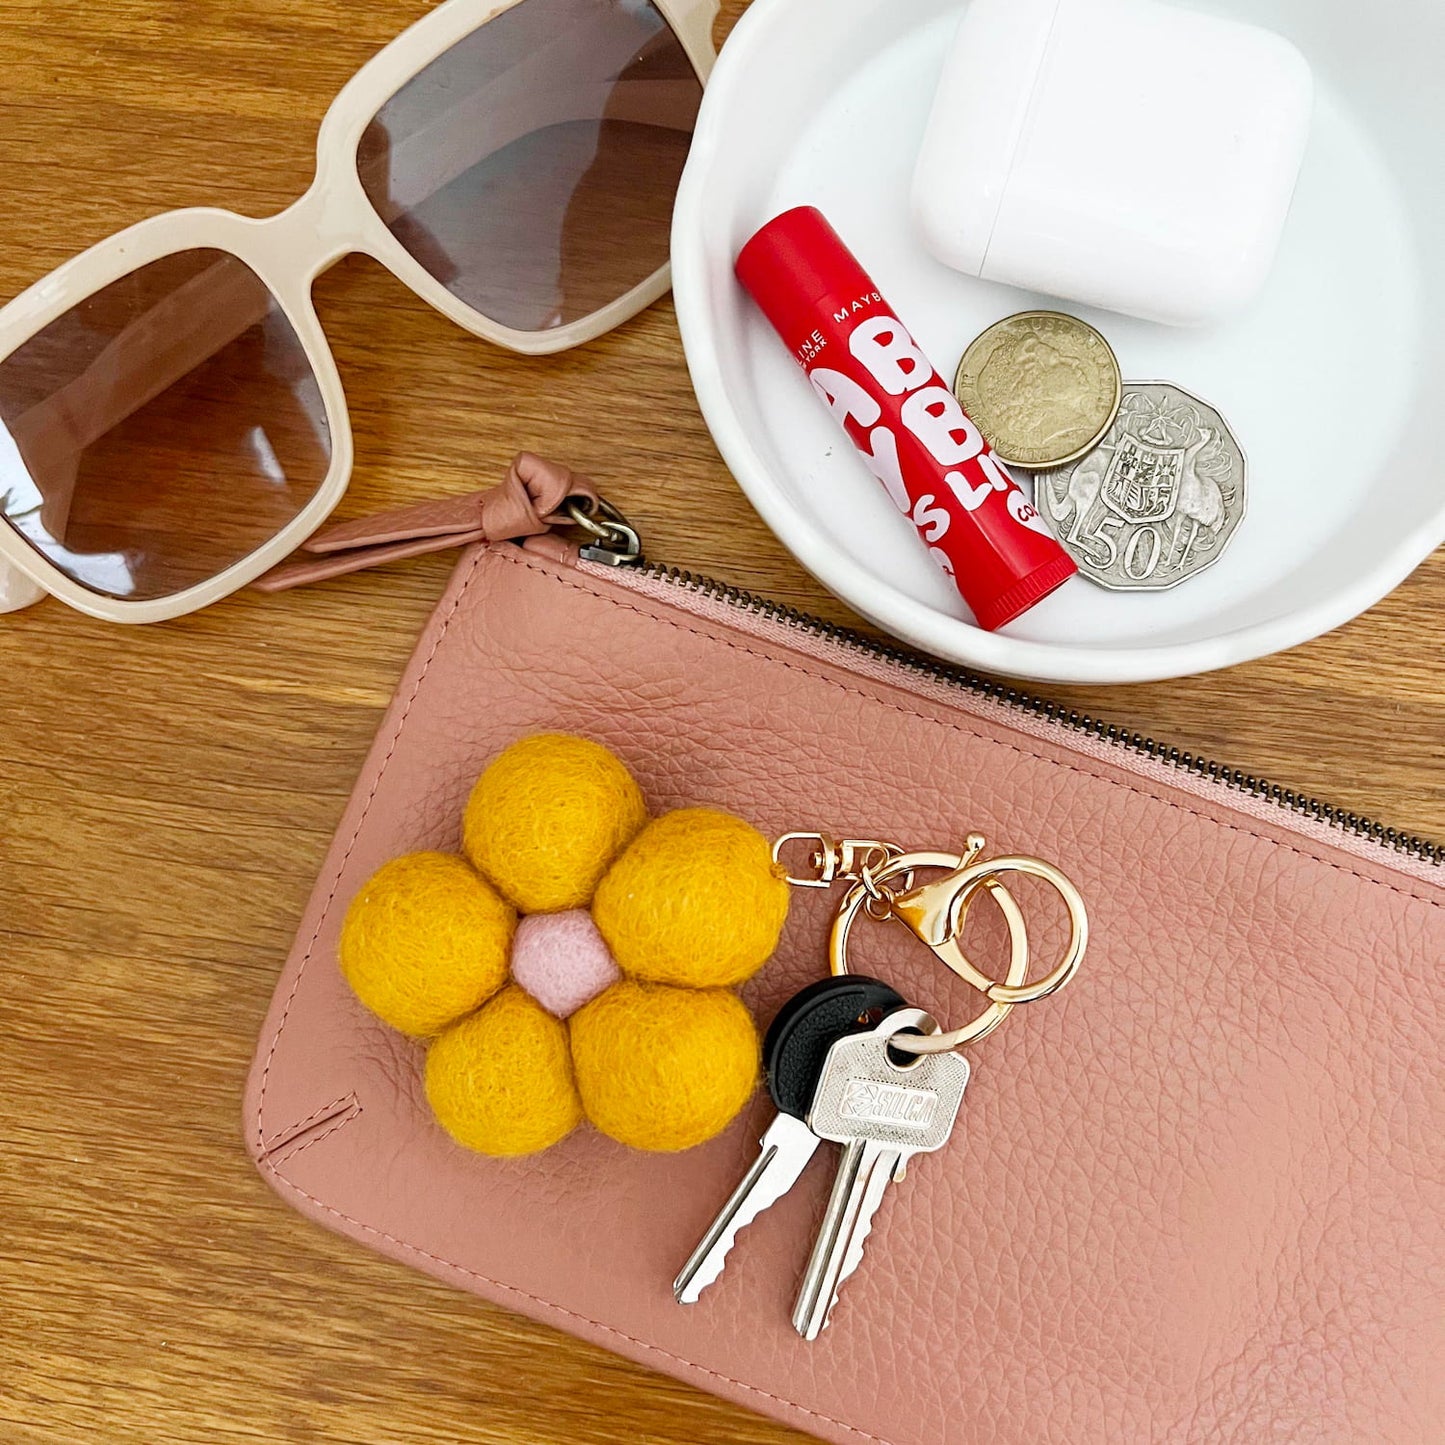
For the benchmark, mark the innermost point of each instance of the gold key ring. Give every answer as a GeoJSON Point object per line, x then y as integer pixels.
{"type": "Point", "coordinates": [935, 913]}
{"type": "Point", "coordinates": [1018, 967]}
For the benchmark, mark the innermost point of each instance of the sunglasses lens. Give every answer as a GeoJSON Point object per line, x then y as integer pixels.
{"type": "Point", "coordinates": [531, 169]}
{"type": "Point", "coordinates": [161, 430]}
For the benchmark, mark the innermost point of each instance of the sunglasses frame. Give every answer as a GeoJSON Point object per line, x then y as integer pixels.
{"type": "Point", "coordinates": [288, 252]}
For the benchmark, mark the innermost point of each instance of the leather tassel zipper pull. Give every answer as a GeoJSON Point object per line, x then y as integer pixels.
{"type": "Point", "coordinates": [536, 501]}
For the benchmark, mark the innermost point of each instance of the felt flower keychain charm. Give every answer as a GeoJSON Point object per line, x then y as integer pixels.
{"type": "Point", "coordinates": [579, 961]}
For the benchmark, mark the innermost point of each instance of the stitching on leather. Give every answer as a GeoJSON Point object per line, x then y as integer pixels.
{"type": "Point", "coordinates": [286, 1155]}
{"type": "Point", "coordinates": [315, 1114]}
{"type": "Point", "coordinates": [552, 1305]}
{"type": "Point", "coordinates": [520, 559]}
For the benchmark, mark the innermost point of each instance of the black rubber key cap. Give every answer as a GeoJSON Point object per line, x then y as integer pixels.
{"type": "Point", "coordinates": [806, 1027]}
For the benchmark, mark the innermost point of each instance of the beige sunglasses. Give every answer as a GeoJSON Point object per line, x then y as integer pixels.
{"type": "Point", "coordinates": [172, 422]}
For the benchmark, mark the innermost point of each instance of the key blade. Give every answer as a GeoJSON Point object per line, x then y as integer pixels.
{"type": "Point", "coordinates": [864, 1174]}
{"type": "Point", "coordinates": [845, 1182]}
{"type": "Point", "coordinates": [882, 1176]}
{"type": "Point", "coordinates": [785, 1151]}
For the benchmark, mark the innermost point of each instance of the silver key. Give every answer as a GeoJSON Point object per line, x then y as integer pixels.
{"type": "Point", "coordinates": [783, 1155]}
{"type": "Point", "coordinates": [794, 1052]}
{"type": "Point", "coordinates": [883, 1113]}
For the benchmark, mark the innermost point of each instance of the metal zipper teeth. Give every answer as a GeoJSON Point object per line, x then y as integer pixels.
{"type": "Point", "coordinates": [1298, 803]}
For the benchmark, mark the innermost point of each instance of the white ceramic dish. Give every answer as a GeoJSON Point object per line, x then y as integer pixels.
{"type": "Point", "coordinates": [1331, 380]}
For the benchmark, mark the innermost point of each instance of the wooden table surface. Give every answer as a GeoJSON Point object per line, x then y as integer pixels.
{"type": "Point", "coordinates": [166, 795]}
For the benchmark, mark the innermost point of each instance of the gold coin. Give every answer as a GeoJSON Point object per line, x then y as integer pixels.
{"type": "Point", "coordinates": [1043, 387]}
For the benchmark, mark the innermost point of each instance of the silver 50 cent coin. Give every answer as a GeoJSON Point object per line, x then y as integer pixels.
{"type": "Point", "coordinates": [1157, 500]}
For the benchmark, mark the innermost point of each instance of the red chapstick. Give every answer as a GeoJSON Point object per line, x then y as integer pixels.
{"type": "Point", "coordinates": [975, 520]}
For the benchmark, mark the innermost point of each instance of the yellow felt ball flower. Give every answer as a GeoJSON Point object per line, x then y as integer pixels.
{"type": "Point", "coordinates": [546, 819]}
{"type": "Point", "coordinates": [621, 1013]}
{"type": "Point", "coordinates": [661, 1067]}
{"type": "Point", "coordinates": [501, 1080]}
{"type": "Point", "coordinates": [425, 942]}
{"type": "Point", "coordinates": [694, 901]}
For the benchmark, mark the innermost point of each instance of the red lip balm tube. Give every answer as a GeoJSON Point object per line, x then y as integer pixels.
{"type": "Point", "coordinates": [976, 522]}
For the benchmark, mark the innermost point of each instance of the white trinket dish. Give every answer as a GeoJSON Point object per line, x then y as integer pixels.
{"type": "Point", "coordinates": [1126, 154]}
{"type": "Point", "coordinates": [1330, 378]}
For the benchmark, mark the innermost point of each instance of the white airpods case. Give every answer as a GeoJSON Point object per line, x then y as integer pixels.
{"type": "Point", "coordinates": [1127, 154]}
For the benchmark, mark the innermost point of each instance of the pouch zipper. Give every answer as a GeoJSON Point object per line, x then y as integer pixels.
{"type": "Point", "coordinates": [1407, 844]}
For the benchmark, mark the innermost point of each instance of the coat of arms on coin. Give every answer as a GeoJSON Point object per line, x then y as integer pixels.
{"type": "Point", "coordinates": [1043, 387]}
{"type": "Point", "coordinates": [1157, 500]}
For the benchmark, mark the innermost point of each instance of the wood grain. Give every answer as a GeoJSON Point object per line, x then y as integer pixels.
{"type": "Point", "coordinates": [166, 796]}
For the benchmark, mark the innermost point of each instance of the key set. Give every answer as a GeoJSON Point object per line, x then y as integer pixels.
{"type": "Point", "coordinates": [849, 1061]}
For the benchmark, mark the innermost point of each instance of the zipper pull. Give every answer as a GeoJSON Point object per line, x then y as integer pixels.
{"type": "Point", "coordinates": [535, 500]}
{"type": "Point", "coordinates": [615, 541]}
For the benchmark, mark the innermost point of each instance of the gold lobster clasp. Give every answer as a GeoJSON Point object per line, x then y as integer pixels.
{"type": "Point", "coordinates": [935, 912]}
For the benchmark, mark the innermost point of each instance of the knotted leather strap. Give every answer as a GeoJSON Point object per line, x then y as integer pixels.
{"type": "Point", "coordinates": [526, 507]}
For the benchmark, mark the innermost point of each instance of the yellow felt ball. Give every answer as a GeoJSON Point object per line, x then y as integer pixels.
{"type": "Point", "coordinates": [547, 817]}
{"type": "Point", "coordinates": [500, 1081]}
{"type": "Point", "coordinates": [664, 1068]}
{"type": "Point", "coordinates": [426, 941]}
{"type": "Point", "coordinates": [695, 900]}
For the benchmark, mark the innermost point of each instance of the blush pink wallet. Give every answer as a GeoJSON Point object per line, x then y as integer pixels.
{"type": "Point", "coordinates": [1198, 1196]}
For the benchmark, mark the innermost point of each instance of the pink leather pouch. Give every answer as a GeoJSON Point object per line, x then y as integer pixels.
{"type": "Point", "coordinates": [1196, 1196]}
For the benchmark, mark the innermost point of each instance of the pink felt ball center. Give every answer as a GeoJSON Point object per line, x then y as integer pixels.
{"type": "Point", "coordinates": [562, 960]}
